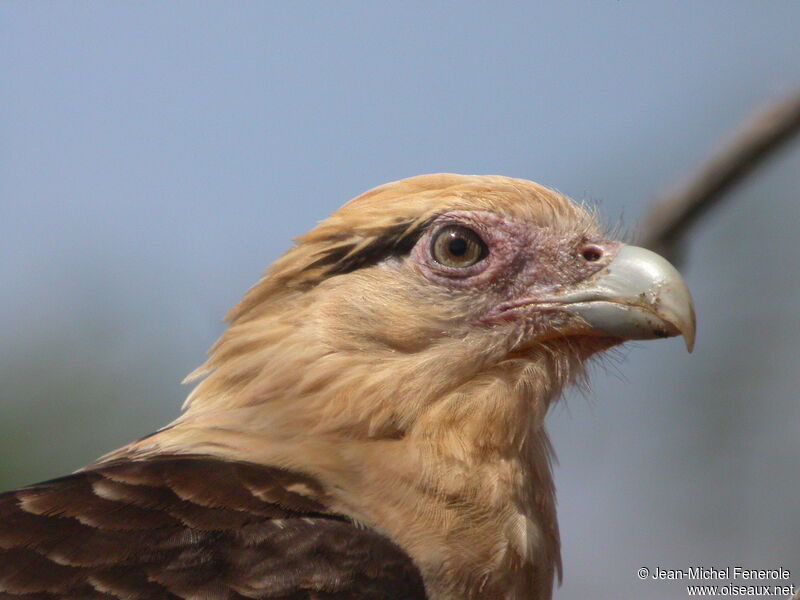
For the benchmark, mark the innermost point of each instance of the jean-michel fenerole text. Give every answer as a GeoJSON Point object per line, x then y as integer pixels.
{"type": "Point", "coordinates": [721, 573]}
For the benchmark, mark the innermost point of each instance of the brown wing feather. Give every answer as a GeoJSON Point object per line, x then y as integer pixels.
{"type": "Point", "coordinates": [191, 527]}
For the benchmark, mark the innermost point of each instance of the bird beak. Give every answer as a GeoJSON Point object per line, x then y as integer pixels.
{"type": "Point", "coordinates": [638, 296]}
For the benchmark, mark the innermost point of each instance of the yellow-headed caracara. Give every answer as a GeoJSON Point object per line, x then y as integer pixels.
{"type": "Point", "coordinates": [370, 425]}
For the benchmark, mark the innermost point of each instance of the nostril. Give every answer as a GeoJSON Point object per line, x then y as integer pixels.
{"type": "Point", "coordinates": [592, 253]}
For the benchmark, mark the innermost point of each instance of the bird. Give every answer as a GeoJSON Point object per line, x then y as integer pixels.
{"type": "Point", "coordinates": [370, 424]}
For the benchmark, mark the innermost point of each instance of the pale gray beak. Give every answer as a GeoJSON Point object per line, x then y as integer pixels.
{"type": "Point", "coordinates": [638, 296]}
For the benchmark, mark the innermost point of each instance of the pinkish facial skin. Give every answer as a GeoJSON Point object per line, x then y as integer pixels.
{"type": "Point", "coordinates": [524, 264]}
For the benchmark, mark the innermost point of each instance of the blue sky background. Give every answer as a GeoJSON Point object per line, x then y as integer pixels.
{"type": "Point", "coordinates": [156, 156]}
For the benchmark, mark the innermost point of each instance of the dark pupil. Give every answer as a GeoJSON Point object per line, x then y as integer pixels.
{"type": "Point", "coordinates": [457, 246]}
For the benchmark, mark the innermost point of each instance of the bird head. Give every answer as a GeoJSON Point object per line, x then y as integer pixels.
{"type": "Point", "coordinates": [422, 286]}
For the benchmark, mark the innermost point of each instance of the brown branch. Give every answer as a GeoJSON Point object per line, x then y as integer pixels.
{"type": "Point", "coordinates": [671, 216]}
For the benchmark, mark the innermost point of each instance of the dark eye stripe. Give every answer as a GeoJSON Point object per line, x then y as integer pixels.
{"type": "Point", "coordinates": [394, 241]}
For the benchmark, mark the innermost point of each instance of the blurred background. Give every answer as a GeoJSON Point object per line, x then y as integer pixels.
{"type": "Point", "coordinates": [155, 157]}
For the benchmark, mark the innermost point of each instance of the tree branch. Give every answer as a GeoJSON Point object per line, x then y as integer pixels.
{"type": "Point", "coordinates": [672, 215]}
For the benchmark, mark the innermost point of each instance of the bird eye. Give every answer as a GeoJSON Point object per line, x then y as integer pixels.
{"type": "Point", "coordinates": [456, 246]}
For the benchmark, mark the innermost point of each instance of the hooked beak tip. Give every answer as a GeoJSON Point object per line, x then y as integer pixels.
{"type": "Point", "coordinates": [688, 332]}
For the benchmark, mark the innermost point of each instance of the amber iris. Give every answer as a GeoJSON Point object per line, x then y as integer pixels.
{"type": "Point", "coordinates": [458, 247]}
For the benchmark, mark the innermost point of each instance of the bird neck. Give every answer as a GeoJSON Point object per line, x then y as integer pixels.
{"type": "Point", "coordinates": [443, 449]}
